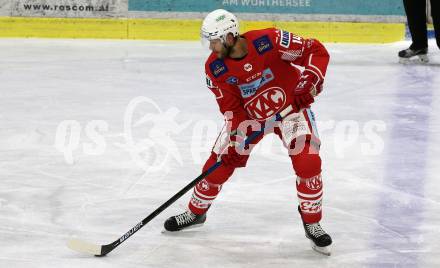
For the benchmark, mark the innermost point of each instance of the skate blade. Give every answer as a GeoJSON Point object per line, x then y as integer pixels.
{"type": "Point", "coordinates": [195, 226]}
{"type": "Point", "coordinates": [421, 59]}
{"type": "Point", "coordinates": [322, 250]}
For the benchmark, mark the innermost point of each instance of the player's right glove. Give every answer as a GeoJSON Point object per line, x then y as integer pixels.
{"type": "Point", "coordinates": [309, 85]}
{"type": "Point", "coordinates": [232, 155]}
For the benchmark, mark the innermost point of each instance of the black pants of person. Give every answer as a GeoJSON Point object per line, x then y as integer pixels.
{"type": "Point", "coordinates": [416, 15]}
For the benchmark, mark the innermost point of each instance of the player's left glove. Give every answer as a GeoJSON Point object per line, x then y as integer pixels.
{"type": "Point", "coordinates": [309, 85]}
{"type": "Point", "coordinates": [231, 156]}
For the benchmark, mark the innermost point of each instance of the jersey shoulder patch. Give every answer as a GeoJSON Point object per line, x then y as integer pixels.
{"type": "Point", "coordinates": [263, 44]}
{"type": "Point", "coordinates": [218, 68]}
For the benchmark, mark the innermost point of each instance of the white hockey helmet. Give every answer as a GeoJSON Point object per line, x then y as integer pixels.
{"type": "Point", "coordinates": [217, 25]}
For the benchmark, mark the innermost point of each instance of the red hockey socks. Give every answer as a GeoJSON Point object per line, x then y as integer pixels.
{"type": "Point", "coordinates": [310, 198]}
{"type": "Point", "coordinates": [307, 165]}
{"type": "Point", "coordinates": [202, 197]}
{"type": "Point", "coordinates": [207, 189]}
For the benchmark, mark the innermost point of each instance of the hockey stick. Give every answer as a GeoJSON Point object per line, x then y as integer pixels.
{"type": "Point", "coordinates": [102, 250]}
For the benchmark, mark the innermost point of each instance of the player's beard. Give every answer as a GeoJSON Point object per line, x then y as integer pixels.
{"type": "Point", "coordinates": [226, 50]}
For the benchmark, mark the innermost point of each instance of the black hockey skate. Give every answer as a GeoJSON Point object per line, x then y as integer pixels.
{"type": "Point", "coordinates": [407, 54]}
{"type": "Point", "coordinates": [319, 239]}
{"type": "Point", "coordinates": [185, 220]}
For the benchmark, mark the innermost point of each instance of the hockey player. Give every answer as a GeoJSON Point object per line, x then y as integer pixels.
{"type": "Point", "coordinates": [253, 77]}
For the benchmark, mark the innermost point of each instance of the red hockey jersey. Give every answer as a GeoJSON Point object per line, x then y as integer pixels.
{"type": "Point", "coordinates": [262, 83]}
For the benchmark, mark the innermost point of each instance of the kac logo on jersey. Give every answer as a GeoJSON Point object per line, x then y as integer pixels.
{"type": "Point", "coordinates": [251, 88]}
{"type": "Point", "coordinates": [262, 44]}
{"type": "Point", "coordinates": [232, 80]}
{"type": "Point", "coordinates": [218, 68]}
{"type": "Point", "coordinates": [266, 103]}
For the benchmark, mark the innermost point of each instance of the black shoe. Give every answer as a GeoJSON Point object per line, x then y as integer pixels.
{"type": "Point", "coordinates": [183, 221]}
{"type": "Point", "coordinates": [409, 53]}
{"type": "Point", "coordinates": [319, 239]}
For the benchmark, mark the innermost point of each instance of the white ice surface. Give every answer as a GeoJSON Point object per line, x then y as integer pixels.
{"type": "Point", "coordinates": [382, 209]}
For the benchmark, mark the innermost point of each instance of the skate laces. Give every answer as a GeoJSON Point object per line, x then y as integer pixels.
{"type": "Point", "coordinates": [185, 218]}
{"type": "Point", "coordinates": [315, 229]}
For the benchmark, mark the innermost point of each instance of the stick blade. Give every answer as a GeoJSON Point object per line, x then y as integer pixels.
{"type": "Point", "coordinates": [84, 247]}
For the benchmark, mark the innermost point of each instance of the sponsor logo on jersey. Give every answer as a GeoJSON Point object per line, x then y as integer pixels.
{"type": "Point", "coordinates": [232, 80]}
{"type": "Point", "coordinates": [247, 67]}
{"type": "Point", "coordinates": [266, 103]}
{"type": "Point", "coordinates": [262, 44]}
{"type": "Point", "coordinates": [218, 68]}
{"type": "Point", "coordinates": [251, 88]}
{"type": "Point", "coordinates": [252, 77]}
{"type": "Point", "coordinates": [285, 39]}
